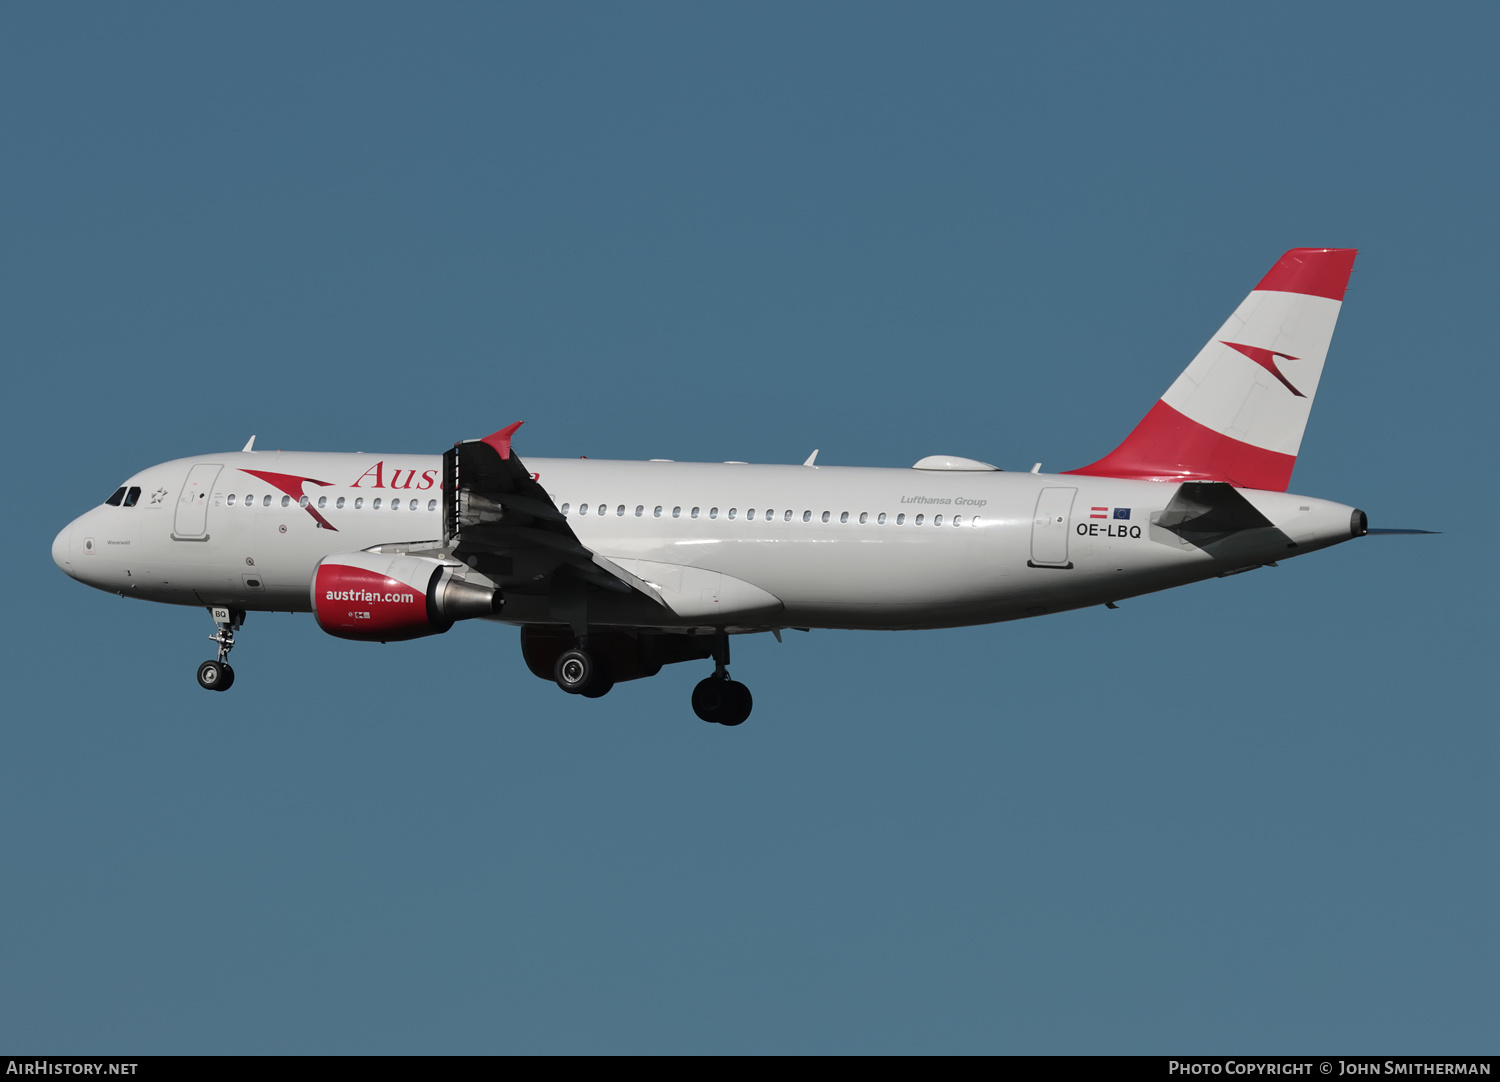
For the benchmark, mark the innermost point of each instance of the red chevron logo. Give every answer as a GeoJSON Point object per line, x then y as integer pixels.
{"type": "Point", "coordinates": [291, 484]}
{"type": "Point", "coordinates": [1267, 359]}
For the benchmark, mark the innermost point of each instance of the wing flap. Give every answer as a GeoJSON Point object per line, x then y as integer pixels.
{"type": "Point", "coordinates": [495, 509]}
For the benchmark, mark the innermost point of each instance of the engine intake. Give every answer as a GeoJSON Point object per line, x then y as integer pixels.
{"type": "Point", "coordinates": [375, 597]}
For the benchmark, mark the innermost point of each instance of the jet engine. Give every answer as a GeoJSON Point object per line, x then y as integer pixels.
{"type": "Point", "coordinates": [380, 597]}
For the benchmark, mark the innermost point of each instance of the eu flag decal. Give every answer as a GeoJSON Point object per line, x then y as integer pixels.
{"type": "Point", "coordinates": [1122, 512]}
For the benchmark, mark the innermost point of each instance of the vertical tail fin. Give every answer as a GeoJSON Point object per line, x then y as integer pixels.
{"type": "Point", "coordinates": [1238, 411]}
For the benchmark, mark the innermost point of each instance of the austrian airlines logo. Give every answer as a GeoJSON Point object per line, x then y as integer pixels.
{"type": "Point", "coordinates": [292, 486]}
{"type": "Point", "coordinates": [1267, 359]}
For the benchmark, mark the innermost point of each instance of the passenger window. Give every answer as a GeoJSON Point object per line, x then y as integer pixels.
{"type": "Point", "coordinates": [395, 505]}
{"type": "Point", "coordinates": [657, 512]}
{"type": "Point", "coordinates": [563, 508]}
{"type": "Point", "coordinates": [322, 502]}
{"type": "Point", "coordinates": [864, 517]}
{"type": "Point", "coordinates": [918, 520]}
{"type": "Point", "coordinates": [603, 510]}
{"type": "Point", "coordinates": [640, 509]}
{"type": "Point", "coordinates": [881, 519]}
{"type": "Point", "coordinates": [265, 501]}
{"type": "Point", "coordinates": [958, 520]}
{"type": "Point", "coordinates": [901, 519]}
{"type": "Point", "coordinates": [749, 515]}
{"type": "Point", "coordinates": [844, 517]}
{"type": "Point", "coordinates": [583, 509]}
{"type": "Point", "coordinates": [713, 512]}
{"type": "Point", "coordinates": [937, 520]}
{"type": "Point", "coordinates": [286, 501]}
{"type": "Point", "coordinates": [731, 512]}
{"type": "Point", "coordinates": [974, 521]}
{"type": "Point", "coordinates": [695, 512]}
{"type": "Point", "coordinates": [676, 512]}
{"type": "Point", "coordinates": [375, 504]}
{"type": "Point", "coordinates": [359, 502]}
{"type": "Point", "coordinates": [789, 516]}
{"type": "Point", "coordinates": [339, 503]}
{"type": "Point", "coordinates": [620, 511]}
{"type": "Point", "coordinates": [432, 505]}
{"type": "Point", "coordinates": [826, 516]}
{"type": "Point", "coordinates": [229, 502]}
{"type": "Point", "coordinates": [806, 516]}
{"type": "Point", "coordinates": [303, 501]}
{"type": "Point", "coordinates": [114, 500]}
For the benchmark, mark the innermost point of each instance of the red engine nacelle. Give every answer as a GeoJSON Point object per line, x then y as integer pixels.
{"type": "Point", "coordinates": [374, 597]}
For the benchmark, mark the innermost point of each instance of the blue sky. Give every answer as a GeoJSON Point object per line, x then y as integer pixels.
{"type": "Point", "coordinates": [1253, 815]}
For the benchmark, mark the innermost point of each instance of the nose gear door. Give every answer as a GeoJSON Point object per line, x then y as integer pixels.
{"type": "Point", "coordinates": [191, 523]}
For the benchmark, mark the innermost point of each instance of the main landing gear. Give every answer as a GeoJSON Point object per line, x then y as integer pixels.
{"type": "Point", "coordinates": [218, 675]}
{"type": "Point", "coordinates": [580, 672]}
{"type": "Point", "coordinates": [718, 699]}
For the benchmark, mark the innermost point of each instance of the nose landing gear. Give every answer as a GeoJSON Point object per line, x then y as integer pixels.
{"type": "Point", "coordinates": [218, 675]}
{"type": "Point", "coordinates": [718, 699]}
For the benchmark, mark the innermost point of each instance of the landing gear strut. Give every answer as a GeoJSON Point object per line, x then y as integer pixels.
{"type": "Point", "coordinates": [718, 699]}
{"type": "Point", "coordinates": [218, 675]}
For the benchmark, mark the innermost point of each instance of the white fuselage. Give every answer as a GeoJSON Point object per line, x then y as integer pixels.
{"type": "Point", "coordinates": [750, 546]}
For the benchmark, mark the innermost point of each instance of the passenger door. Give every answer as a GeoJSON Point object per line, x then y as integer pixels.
{"type": "Point", "coordinates": [191, 523]}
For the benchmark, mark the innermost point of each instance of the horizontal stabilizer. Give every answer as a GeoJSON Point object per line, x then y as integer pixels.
{"type": "Point", "coordinates": [1394, 532]}
{"type": "Point", "coordinates": [1205, 507]}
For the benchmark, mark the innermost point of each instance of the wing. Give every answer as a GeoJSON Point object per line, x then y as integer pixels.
{"type": "Point", "coordinates": [499, 520]}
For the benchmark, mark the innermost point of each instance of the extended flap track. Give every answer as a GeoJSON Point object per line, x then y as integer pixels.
{"type": "Point", "coordinates": [450, 495]}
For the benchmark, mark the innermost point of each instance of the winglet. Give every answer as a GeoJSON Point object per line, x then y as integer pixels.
{"type": "Point", "coordinates": [500, 441]}
{"type": "Point", "coordinates": [249, 445]}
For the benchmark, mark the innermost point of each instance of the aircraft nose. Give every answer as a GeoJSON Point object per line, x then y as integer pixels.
{"type": "Point", "coordinates": [60, 545]}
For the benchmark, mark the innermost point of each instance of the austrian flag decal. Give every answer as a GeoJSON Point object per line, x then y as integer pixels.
{"type": "Point", "coordinates": [1117, 524]}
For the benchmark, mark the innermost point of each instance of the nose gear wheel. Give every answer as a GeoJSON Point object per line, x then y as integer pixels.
{"type": "Point", "coordinates": [218, 675]}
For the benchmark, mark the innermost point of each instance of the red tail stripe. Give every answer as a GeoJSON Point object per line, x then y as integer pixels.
{"type": "Point", "coordinates": [1168, 446]}
{"type": "Point", "coordinates": [1317, 272]}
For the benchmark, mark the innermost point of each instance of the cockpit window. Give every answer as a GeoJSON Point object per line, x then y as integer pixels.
{"type": "Point", "coordinates": [132, 496]}
{"type": "Point", "coordinates": [114, 501]}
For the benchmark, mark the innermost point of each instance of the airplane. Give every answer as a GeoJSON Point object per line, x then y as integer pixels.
{"type": "Point", "coordinates": [614, 569]}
